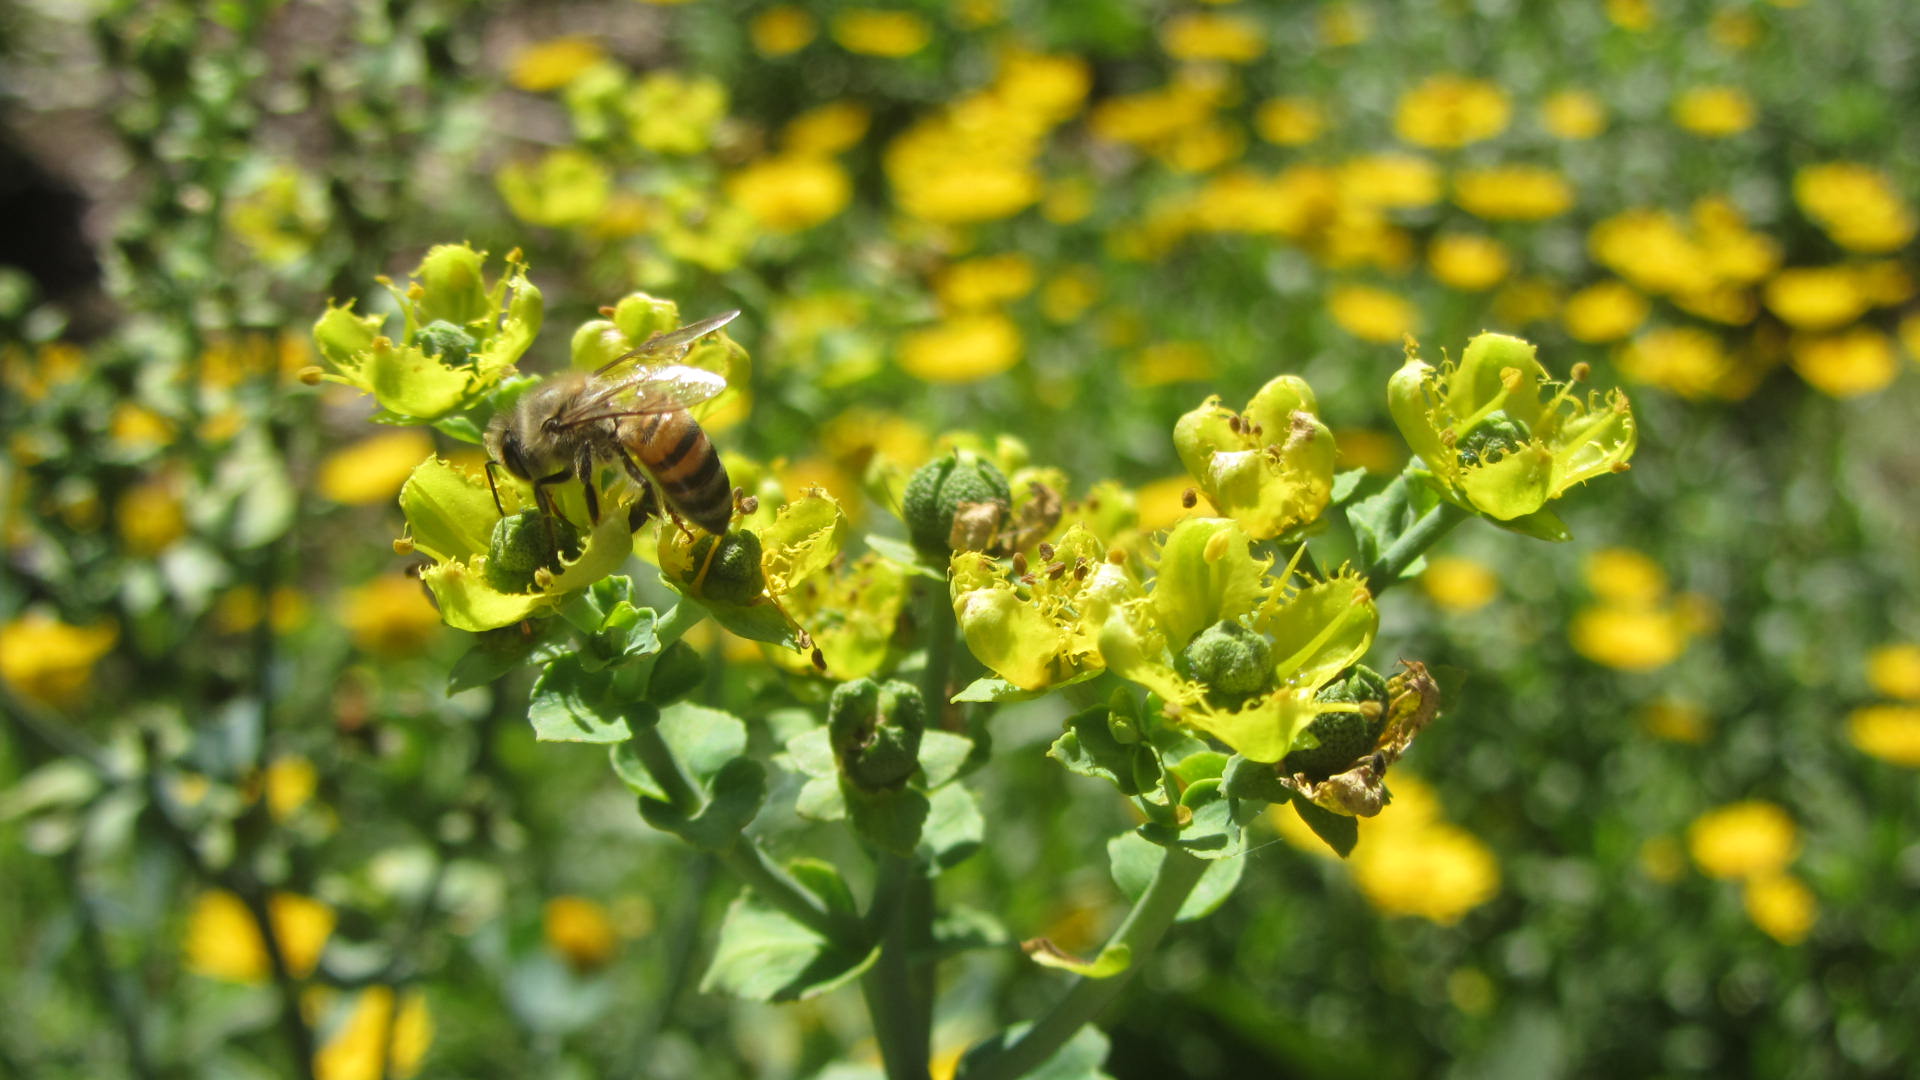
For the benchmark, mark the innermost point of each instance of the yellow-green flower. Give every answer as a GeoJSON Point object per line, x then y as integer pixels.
{"type": "Point", "coordinates": [1450, 111]}
{"type": "Point", "coordinates": [580, 930]}
{"type": "Point", "coordinates": [1283, 641]}
{"type": "Point", "coordinates": [851, 613]}
{"type": "Point", "coordinates": [223, 941]}
{"type": "Point", "coordinates": [1271, 467]}
{"type": "Point", "coordinates": [760, 561]}
{"type": "Point", "coordinates": [1781, 905]}
{"type": "Point", "coordinates": [1491, 442]}
{"type": "Point", "coordinates": [381, 1036]}
{"type": "Point", "coordinates": [1751, 839]}
{"type": "Point", "coordinates": [51, 661]}
{"type": "Point", "coordinates": [565, 188]}
{"type": "Point", "coordinates": [671, 113]}
{"type": "Point", "coordinates": [1039, 627]}
{"type": "Point", "coordinates": [460, 336]}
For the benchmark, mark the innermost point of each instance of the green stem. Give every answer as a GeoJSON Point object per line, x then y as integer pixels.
{"type": "Point", "coordinates": [674, 625]}
{"type": "Point", "coordinates": [1142, 930]}
{"type": "Point", "coordinates": [940, 631]}
{"type": "Point", "coordinates": [901, 1022]}
{"type": "Point", "coordinates": [1413, 543]}
{"type": "Point", "coordinates": [746, 858]}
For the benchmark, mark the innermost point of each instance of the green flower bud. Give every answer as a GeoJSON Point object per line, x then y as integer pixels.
{"type": "Point", "coordinates": [453, 288]}
{"type": "Point", "coordinates": [446, 342]}
{"type": "Point", "coordinates": [875, 731]}
{"type": "Point", "coordinates": [939, 488]}
{"type": "Point", "coordinates": [1496, 436]}
{"type": "Point", "coordinates": [525, 543]}
{"type": "Point", "coordinates": [1233, 662]}
{"type": "Point", "coordinates": [734, 576]}
{"type": "Point", "coordinates": [1344, 737]}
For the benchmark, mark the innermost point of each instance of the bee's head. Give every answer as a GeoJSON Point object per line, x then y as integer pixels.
{"type": "Point", "coordinates": [503, 445]}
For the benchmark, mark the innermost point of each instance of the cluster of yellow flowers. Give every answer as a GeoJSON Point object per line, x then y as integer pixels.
{"type": "Point", "coordinates": [1890, 730]}
{"type": "Point", "coordinates": [1636, 625]}
{"type": "Point", "coordinates": [1753, 842]}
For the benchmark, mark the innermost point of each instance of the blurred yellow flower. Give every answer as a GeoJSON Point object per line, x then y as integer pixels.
{"type": "Point", "coordinates": [1573, 115]}
{"type": "Point", "coordinates": [553, 64]}
{"type": "Point", "coordinates": [376, 1041]}
{"type": "Point", "coordinates": [1628, 638]}
{"type": "Point", "coordinates": [881, 32]}
{"type": "Point", "coordinates": [1885, 282]}
{"type": "Point", "coordinates": [1604, 311]}
{"type": "Point", "coordinates": [136, 428]}
{"type": "Point", "coordinates": [1714, 112]}
{"type": "Point", "coordinates": [1734, 29]}
{"type": "Point", "coordinates": [1051, 87]}
{"type": "Point", "coordinates": [580, 930]}
{"type": "Point", "coordinates": [290, 782]}
{"type": "Point", "coordinates": [1624, 576]}
{"type": "Point", "coordinates": [1910, 336]}
{"type": "Point", "coordinates": [280, 216]}
{"type": "Point", "coordinates": [984, 281]}
{"type": "Point", "coordinates": [671, 113]}
{"type": "Point", "coordinates": [1370, 449]}
{"type": "Point", "coordinates": [1527, 300]}
{"type": "Point", "coordinates": [782, 30]}
{"type": "Point", "coordinates": [372, 469]}
{"type": "Point", "coordinates": [1512, 192]}
{"type": "Point", "coordinates": [51, 661]}
{"type": "Point", "coordinates": [1782, 906]}
{"type": "Point", "coordinates": [565, 188]}
{"type": "Point", "coordinates": [1068, 294]}
{"type": "Point", "coordinates": [1468, 261]}
{"type": "Point", "coordinates": [55, 363]}
{"type": "Point", "coordinates": [1816, 297]}
{"type": "Point", "coordinates": [790, 192]}
{"type": "Point", "coordinates": [1459, 584]}
{"type": "Point", "coordinates": [1677, 721]}
{"type": "Point", "coordinates": [1450, 111]}
{"type": "Point", "coordinates": [1408, 860]}
{"type": "Point", "coordinates": [1371, 314]}
{"type": "Point", "coordinates": [1165, 362]}
{"type": "Point", "coordinates": [1743, 840]}
{"type": "Point", "coordinates": [1857, 205]}
{"type": "Point", "coordinates": [1847, 364]}
{"type": "Point", "coordinates": [961, 348]}
{"type": "Point", "coordinates": [150, 516]}
{"type": "Point", "coordinates": [1205, 36]}
{"type": "Point", "coordinates": [1289, 121]}
{"type": "Point", "coordinates": [1068, 199]}
{"type": "Point", "coordinates": [1650, 249]}
{"type": "Point", "coordinates": [1342, 24]}
{"type": "Point", "coordinates": [827, 129]}
{"type": "Point", "coordinates": [1632, 15]}
{"type": "Point", "coordinates": [223, 942]}
{"type": "Point", "coordinates": [390, 617]}
{"type": "Point", "coordinates": [238, 609]}
{"type": "Point", "coordinates": [1686, 360]}
{"type": "Point", "coordinates": [1894, 670]}
{"type": "Point", "coordinates": [858, 436]}
{"type": "Point", "coordinates": [1888, 732]}
{"type": "Point", "coordinates": [1391, 180]}
{"type": "Point", "coordinates": [1161, 503]}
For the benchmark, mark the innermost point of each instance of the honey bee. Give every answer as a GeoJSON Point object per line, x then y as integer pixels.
{"type": "Point", "coordinates": [632, 412]}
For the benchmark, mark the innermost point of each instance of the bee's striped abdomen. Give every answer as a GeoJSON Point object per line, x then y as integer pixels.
{"type": "Point", "coordinates": [684, 466]}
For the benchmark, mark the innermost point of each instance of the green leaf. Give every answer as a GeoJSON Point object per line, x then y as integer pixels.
{"type": "Point", "coordinates": [942, 755]}
{"type": "Point", "coordinates": [569, 704]}
{"type": "Point", "coordinates": [1079, 1059]}
{"type": "Point", "coordinates": [677, 672]}
{"type": "Point", "coordinates": [953, 829]}
{"type": "Point", "coordinates": [1347, 484]}
{"type": "Point", "coordinates": [734, 797]}
{"type": "Point", "coordinates": [1133, 860]}
{"type": "Point", "coordinates": [494, 653]}
{"type": "Point", "coordinates": [820, 800]}
{"type": "Point", "coordinates": [812, 754]}
{"type": "Point", "coordinates": [823, 880]}
{"type": "Point", "coordinates": [1380, 519]}
{"type": "Point", "coordinates": [995, 688]}
{"type": "Point", "coordinates": [1338, 830]}
{"type": "Point", "coordinates": [1253, 780]}
{"type": "Point", "coordinates": [763, 955]}
{"type": "Point", "coordinates": [755, 622]}
{"type": "Point", "coordinates": [900, 551]}
{"type": "Point", "coordinates": [1203, 765]}
{"type": "Point", "coordinates": [704, 739]}
{"type": "Point", "coordinates": [889, 820]}
{"type": "Point", "coordinates": [1089, 749]}
{"type": "Point", "coordinates": [1217, 829]}
{"type": "Point", "coordinates": [1112, 960]}
{"type": "Point", "coordinates": [1542, 524]}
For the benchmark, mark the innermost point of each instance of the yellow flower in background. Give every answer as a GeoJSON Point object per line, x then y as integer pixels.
{"type": "Point", "coordinates": [238, 609]}
{"type": "Point", "coordinates": [553, 64]}
{"type": "Point", "coordinates": [52, 364]}
{"type": "Point", "coordinates": [1204, 36]}
{"type": "Point", "coordinates": [1635, 16]}
{"type": "Point", "coordinates": [1605, 311]}
{"type": "Point", "coordinates": [1165, 362]}
{"type": "Point", "coordinates": [1885, 282]}
{"type": "Point", "coordinates": [1782, 906]}
{"type": "Point", "coordinates": [1687, 361]}
{"type": "Point", "coordinates": [827, 129]}
{"type": "Point", "coordinates": [1289, 121]}
{"type": "Point", "coordinates": [1527, 300]}
{"type": "Point", "coordinates": [1888, 732]}
{"type": "Point", "coordinates": [1624, 576]}
{"type": "Point", "coordinates": [1676, 721]}
{"type": "Point", "coordinates": [224, 943]}
{"type": "Point", "coordinates": [581, 931]}
{"type": "Point", "coordinates": [1459, 584]}
{"type": "Point", "coordinates": [1371, 314]}
{"type": "Point", "coordinates": [1468, 261]}
{"type": "Point", "coordinates": [671, 113]}
{"type": "Point", "coordinates": [138, 429]}
{"type": "Point", "coordinates": [1342, 24]}
{"type": "Point", "coordinates": [984, 281]}
{"type": "Point", "coordinates": [377, 1041]}
{"type": "Point", "coordinates": [151, 517]}
{"type": "Point", "coordinates": [372, 469]}
{"type": "Point", "coordinates": [51, 661]}
{"type": "Point", "coordinates": [390, 617]}
{"type": "Point", "coordinates": [790, 192]}
{"type": "Point", "coordinates": [858, 436]}
{"type": "Point", "coordinates": [1894, 670]}
{"type": "Point", "coordinates": [1743, 840]}
{"type": "Point", "coordinates": [290, 783]}
{"type": "Point", "coordinates": [880, 32]}
{"type": "Point", "coordinates": [961, 348]}
{"type": "Point", "coordinates": [1652, 250]}
{"type": "Point", "coordinates": [563, 189]}
{"type": "Point", "coordinates": [1714, 112]}
{"type": "Point", "coordinates": [1409, 861]}
{"type": "Point", "coordinates": [1630, 639]}
{"type": "Point", "coordinates": [1370, 449]}
{"type": "Point", "coordinates": [280, 216]}
{"type": "Point", "coordinates": [1162, 503]}
{"type": "Point", "coordinates": [1449, 111]}
{"type": "Point", "coordinates": [1734, 30]}
{"type": "Point", "coordinates": [1847, 364]}
{"type": "Point", "coordinates": [1857, 205]}
{"type": "Point", "coordinates": [1816, 297]}
{"type": "Point", "coordinates": [1513, 193]}
{"type": "Point", "coordinates": [1573, 115]}
{"type": "Point", "coordinates": [782, 31]}
{"type": "Point", "coordinates": [1391, 180]}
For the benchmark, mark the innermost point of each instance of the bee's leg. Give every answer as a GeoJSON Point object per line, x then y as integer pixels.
{"type": "Point", "coordinates": [583, 467]}
{"type": "Point", "coordinates": [544, 500]}
{"type": "Point", "coordinates": [495, 488]}
{"type": "Point", "coordinates": [645, 504]}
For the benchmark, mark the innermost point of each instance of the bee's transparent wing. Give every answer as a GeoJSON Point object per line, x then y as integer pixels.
{"type": "Point", "coordinates": [668, 345]}
{"type": "Point", "coordinates": [644, 390]}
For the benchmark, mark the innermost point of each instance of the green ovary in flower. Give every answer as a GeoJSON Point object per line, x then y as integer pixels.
{"type": "Point", "coordinates": [1496, 442]}
{"type": "Point", "coordinates": [1211, 598]}
{"type": "Point", "coordinates": [1271, 467]}
{"type": "Point", "coordinates": [1039, 628]}
{"type": "Point", "coordinates": [460, 336]}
